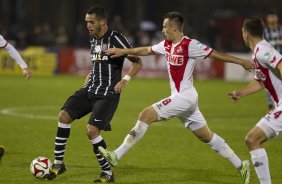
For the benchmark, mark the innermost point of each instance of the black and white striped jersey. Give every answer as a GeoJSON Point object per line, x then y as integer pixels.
{"type": "Point", "coordinates": [106, 72]}
{"type": "Point", "coordinates": [274, 37]}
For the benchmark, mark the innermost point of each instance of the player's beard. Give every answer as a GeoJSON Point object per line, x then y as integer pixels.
{"type": "Point", "coordinates": [96, 31]}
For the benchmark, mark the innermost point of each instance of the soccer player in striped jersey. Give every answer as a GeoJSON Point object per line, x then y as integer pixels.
{"type": "Point", "coordinates": [17, 57]}
{"type": "Point", "coordinates": [268, 72]}
{"type": "Point", "coordinates": [99, 96]}
{"type": "Point", "coordinates": [273, 34]}
{"type": "Point", "coordinates": [180, 52]}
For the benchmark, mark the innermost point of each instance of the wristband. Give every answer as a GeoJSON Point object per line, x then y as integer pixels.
{"type": "Point", "coordinates": [126, 77]}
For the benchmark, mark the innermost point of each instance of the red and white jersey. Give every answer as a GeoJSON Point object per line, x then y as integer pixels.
{"type": "Point", "coordinates": [181, 61]}
{"type": "Point", "coordinates": [266, 59]}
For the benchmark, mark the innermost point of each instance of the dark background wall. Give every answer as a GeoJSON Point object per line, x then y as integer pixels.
{"type": "Point", "coordinates": [20, 18]}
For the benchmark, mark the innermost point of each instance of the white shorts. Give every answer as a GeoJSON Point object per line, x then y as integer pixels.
{"type": "Point", "coordinates": [184, 108]}
{"type": "Point", "coordinates": [271, 123]}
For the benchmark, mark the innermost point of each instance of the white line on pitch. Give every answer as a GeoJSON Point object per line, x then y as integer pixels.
{"type": "Point", "coordinates": [16, 112]}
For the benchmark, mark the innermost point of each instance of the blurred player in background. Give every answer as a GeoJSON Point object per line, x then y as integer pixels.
{"type": "Point", "coordinates": [17, 57]}
{"type": "Point", "coordinates": [273, 34]}
{"type": "Point", "coordinates": [180, 52]}
{"type": "Point", "coordinates": [268, 72]}
{"type": "Point", "coordinates": [99, 96]}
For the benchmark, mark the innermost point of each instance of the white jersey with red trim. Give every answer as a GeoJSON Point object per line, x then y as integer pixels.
{"type": "Point", "coordinates": [181, 61]}
{"type": "Point", "coordinates": [3, 42]}
{"type": "Point", "coordinates": [266, 59]}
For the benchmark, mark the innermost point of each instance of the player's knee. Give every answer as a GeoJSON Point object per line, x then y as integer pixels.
{"type": "Point", "coordinates": [148, 115]}
{"type": "Point", "coordinates": [64, 117]}
{"type": "Point", "coordinates": [250, 141]}
{"type": "Point", "coordinates": [92, 132]}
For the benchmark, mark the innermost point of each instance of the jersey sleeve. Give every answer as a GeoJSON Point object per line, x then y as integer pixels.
{"type": "Point", "coordinates": [159, 48]}
{"type": "Point", "coordinates": [198, 50]}
{"type": "Point", "coordinates": [120, 41]}
{"type": "Point", "coordinates": [3, 42]}
{"type": "Point", "coordinates": [269, 56]}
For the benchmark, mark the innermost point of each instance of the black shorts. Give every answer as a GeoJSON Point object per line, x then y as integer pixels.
{"type": "Point", "coordinates": [102, 108]}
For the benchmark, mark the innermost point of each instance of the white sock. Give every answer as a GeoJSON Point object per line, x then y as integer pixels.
{"type": "Point", "coordinates": [260, 162]}
{"type": "Point", "coordinates": [132, 138]}
{"type": "Point", "coordinates": [96, 140]}
{"type": "Point", "coordinates": [220, 146]}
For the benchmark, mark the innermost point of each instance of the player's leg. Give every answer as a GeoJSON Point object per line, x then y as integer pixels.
{"type": "Point", "coordinates": [267, 128]}
{"type": "Point", "coordinates": [146, 117]}
{"type": "Point", "coordinates": [222, 148]}
{"type": "Point", "coordinates": [164, 109]}
{"type": "Point", "coordinates": [197, 124]}
{"type": "Point", "coordinates": [75, 107]}
{"type": "Point", "coordinates": [218, 144]}
{"type": "Point", "coordinates": [102, 113]}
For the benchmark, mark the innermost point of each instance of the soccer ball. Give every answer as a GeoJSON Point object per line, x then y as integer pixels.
{"type": "Point", "coordinates": [40, 167]}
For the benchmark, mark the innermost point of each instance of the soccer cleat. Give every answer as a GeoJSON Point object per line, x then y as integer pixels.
{"type": "Point", "coordinates": [105, 178]}
{"type": "Point", "coordinates": [109, 156]}
{"type": "Point", "coordinates": [245, 171]}
{"type": "Point", "coordinates": [2, 150]}
{"type": "Point", "coordinates": [56, 170]}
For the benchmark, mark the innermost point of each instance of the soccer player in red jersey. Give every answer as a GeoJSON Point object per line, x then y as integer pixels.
{"type": "Point", "coordinates": [268, 70]}
{"type": "Point", "coordinates": [180, 52]}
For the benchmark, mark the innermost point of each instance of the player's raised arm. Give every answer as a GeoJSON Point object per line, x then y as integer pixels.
{"type": "Point", "coordinates": [231, 59]}
{"type": "Point", "coordinates": [139, 51]}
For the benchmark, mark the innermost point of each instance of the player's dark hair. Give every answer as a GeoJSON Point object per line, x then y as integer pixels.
{"type": "Point", "coordinates": [99, 11]}
{"type": "Point", "coordinates": [175, 17]}
{"type": "Point", "coordinates": [254, 25]}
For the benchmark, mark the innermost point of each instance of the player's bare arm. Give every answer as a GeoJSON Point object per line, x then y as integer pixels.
{"type": "Point", "coordinates": [139, 51]}
{"type": "Point", "coordinates": [232, 59]}
{"type": "Point", "coordinates": [134, 69]}
{"type": "Point", "coordinates": [253, 87]}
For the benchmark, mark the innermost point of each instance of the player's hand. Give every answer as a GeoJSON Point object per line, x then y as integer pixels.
{"type": "Point", "coordinates": [247, 65]}
{"type": "Point", "coordinates": [27, 73]}
{"type": "Point", "coordinates": [120, 86]}
{"type": "Point", "coordinates": [234, 95]}
{"type": "Point", "coordinates": [115, 52]}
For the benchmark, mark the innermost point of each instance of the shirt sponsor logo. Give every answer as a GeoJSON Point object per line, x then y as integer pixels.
{"type": "Point", "coordinates": [99, 57]}
{"type": "Point", "coordinates": [176, 60]}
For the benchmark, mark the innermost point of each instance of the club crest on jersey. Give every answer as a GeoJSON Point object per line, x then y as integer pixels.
{"type": "Point", "coordinates": [98, 48]}
{"type": "Point", "coordinates": [260, 75]}
{"type": "Point", "coordinates": [179, 50]}
{"type": "Point", "coordinates": [176, 60]}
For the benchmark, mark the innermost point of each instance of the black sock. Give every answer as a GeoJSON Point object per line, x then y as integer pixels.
{"type": "Point", "coordinates": [63, 133]}
{"type": "Point", "coordinates": [105, 166]}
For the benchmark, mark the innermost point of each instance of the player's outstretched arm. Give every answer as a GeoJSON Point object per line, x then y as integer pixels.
{"type": "Point", "coordinates": [231, 59]}
{"type": "Point", "coordinates": [17, 57]}
{"type": "Point", "coordinates": [253, 87]}
{"type": "Point", "coordinates": [138, 51]}
{"type": "Point", "coordinates": [134, 69]}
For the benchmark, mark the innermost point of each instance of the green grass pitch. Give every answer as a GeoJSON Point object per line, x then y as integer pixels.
{"type": "Point", "coordinates": [168, 154]}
